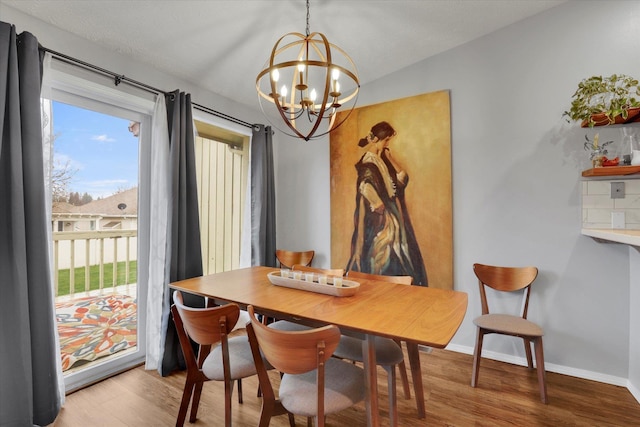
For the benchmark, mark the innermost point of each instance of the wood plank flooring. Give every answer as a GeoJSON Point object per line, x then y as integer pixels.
{"type": "Point", "coordinates": [507, 395]}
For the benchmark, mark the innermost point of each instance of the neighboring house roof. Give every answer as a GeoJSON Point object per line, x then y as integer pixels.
{"type": "Point", "coordinates": [107, 206]}
{"type": "Point", "coordinates": [63, 207]}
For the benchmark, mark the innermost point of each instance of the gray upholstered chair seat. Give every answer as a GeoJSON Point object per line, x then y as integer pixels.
{"type": "Point", "coordinates": [240, 360]}
{"type": "Point", "coordinates": [388, 352]}
{"type": "Point", "coordinates": [298, 392]}
{"type": "Point", "coordinates": [285, 325]}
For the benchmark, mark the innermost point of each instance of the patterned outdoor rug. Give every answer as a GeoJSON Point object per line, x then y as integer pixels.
{"type": "Point", "coordinates": [94, 327]}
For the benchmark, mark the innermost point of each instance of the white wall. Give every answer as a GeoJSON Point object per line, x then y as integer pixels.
{"type": "Point", "coordinates": [516, 179]}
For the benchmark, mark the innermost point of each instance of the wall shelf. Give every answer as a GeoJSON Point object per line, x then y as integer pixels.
{"type": "Point", "coordinates": [611, 171]}
{"type": "Point", "coordinates": [628, 237]}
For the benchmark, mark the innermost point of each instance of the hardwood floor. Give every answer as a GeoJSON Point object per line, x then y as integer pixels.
{"type": "Point", "coordinates": [507, 395]}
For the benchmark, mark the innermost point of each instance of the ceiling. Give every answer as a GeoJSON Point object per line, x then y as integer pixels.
{"type": "Point", "coordinates": [221, 45]}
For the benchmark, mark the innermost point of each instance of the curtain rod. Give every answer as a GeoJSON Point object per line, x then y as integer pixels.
{"type": "Point", "coordinates": [119, 78]}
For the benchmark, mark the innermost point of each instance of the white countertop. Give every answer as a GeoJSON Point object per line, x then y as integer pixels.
{"type": "Point", "coordinates": [629, 237]}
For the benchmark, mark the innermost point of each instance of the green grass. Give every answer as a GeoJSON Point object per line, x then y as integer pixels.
{"type": "Point", "coordinates": [94, 277]}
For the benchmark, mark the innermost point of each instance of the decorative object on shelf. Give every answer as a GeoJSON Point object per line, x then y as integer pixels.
{"type": "Point", "coordinates": [598, 151]}
{"type": "Point", "coordinates": [630, 146]}
{"type": "Point", "coordinates": [610, 162]}
{"type": "Point", "coordinates": [316, 79]}
{"type": "Point", "coordinates": [601, 101]}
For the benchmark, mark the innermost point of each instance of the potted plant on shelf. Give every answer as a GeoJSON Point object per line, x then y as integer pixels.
{"type": "Point", "coordinates": [602, 101]}
{"type": "Point", "coordinates": [598, 152]}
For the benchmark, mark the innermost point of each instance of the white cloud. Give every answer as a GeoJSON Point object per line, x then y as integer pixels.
{"type": "Point", "coordinates": [102, 138]}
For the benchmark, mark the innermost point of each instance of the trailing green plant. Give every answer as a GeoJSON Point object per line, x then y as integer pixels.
{"type": "Point", "coordinates": [611, 96]}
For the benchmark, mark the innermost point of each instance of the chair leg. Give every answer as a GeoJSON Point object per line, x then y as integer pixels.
{"type": "Point", "coordinates": [271, 408]}
{"type": "Point", "coordinates": [402, 366]}
{"type": "Point", "coordinates": [195, 402]}
{"type": "Point", "coordinates": [476, 357]}
{"type": "Point", "coordinates": [228, 392]}
{"type": "Point", "coordinates": [527, 350]}
{"type": "Point", "coordinates": [265, 414]}
{"type": "Point", "coordinates": [184, 403]}
{"type": "Point", "coordinates": [239, 381]}
{"type": "Point", "coordinates": [542, 384]}
{"type": "Point", "coordinates": [393, 398]}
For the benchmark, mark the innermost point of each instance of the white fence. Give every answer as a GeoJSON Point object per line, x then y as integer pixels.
{"type": "Point", "coordinates": [73, 249]}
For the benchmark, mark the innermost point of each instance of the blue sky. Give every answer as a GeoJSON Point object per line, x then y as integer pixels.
{"type": "Point", "coordinates": [98, 147]}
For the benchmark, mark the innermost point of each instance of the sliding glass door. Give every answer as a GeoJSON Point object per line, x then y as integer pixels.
{"type": "Point", "coordinates": [100, 143]}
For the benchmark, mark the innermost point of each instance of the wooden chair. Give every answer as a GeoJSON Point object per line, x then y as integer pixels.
{"type": "Point", "coordinates": [389, 352]}
{"type": "Point", "coordinates": [313, 384]}
{"type": "Point", "coordinates": [287, 259]}
{"type": "Point", "coordinates": [229, 361]}
{"type": "Point", "coordinates": [509, 279]}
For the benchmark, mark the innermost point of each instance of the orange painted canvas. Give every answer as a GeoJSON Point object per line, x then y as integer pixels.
{"type": "Point", "coordinates": [391, 207]}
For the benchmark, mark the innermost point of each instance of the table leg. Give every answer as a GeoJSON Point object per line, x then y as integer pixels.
{"type": "Point", "coordinates": [416, 374]}
{"type": "Point", "coordinates": [371, 381]}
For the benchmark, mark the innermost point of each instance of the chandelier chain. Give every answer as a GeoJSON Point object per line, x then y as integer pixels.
{"type": "Point", "coordinates": [308, 19]}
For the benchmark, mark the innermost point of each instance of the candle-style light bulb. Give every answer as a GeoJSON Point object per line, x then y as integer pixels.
{"type": "Point", "coordinates": [302, 85]}
{"type": "Point", "coordinates": [313, 95]}
{"type": "Point", "coordinates": [283, 91]}
{"type": "Point", "coordinates": [335, 85]}
{"type": "Point", "coordinates": [275, 75]}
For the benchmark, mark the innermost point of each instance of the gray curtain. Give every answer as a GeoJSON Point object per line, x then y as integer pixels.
{"type": "Point", "coordinates": [184, 255]}
{"type": "Point", "coordinates": [263, 198]}
{"type": "Point", "coordinates": [28, 380]}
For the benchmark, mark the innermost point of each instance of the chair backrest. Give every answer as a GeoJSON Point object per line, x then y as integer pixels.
{"type": "Point", "coordinates": [402, 280]}
{"type": "Point", "coordinates": [295, 352]}
{"type": "Point", "coordinates": [291, 352]}
{"type": "Point", "coordinates": [205, 326]}
{"type": "Point", "coordinates": [289, 258]}
{"type": "Point", "coordinates": [327, 271]}
{"type": "Point", "coordinates": [505, 279]}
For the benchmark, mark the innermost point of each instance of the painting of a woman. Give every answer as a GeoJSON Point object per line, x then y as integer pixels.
{"type": "Point", "coordinates": [383, 240]}
{"type": "Point", "coordinates": [390, 185]}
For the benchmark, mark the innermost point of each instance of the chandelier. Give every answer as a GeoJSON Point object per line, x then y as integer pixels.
{"type": "Point", "coordinates": [308, 80]}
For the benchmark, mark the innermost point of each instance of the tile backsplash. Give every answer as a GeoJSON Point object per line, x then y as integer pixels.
{"type": "Point", "coordinates": [598, 205]}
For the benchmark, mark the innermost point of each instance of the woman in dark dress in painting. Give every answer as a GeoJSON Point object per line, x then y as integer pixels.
{"type": "Point", "coordinates": [383, 240]}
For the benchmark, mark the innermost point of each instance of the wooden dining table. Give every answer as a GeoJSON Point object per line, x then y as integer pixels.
{"type": "Point", "coordinates": [414, 314]}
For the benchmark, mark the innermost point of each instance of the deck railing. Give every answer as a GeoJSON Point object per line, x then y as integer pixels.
{"type": "Point", "coordinates": [74, 249]}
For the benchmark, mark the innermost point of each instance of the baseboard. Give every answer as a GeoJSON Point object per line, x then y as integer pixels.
{"type": "Point", "coordinates": [634, 391]}
{"type": "Point", "coordinates": [550, 367]}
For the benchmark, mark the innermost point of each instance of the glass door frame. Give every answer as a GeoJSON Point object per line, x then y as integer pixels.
{"type": "Point", "coordinates": [87, 90]}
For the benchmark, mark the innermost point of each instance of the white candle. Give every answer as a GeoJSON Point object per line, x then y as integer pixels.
{"type": "Point", "coordinates": [337, 282]}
